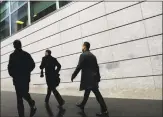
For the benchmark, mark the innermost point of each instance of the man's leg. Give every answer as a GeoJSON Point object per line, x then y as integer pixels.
{"type": "Point", "coordinates": [48, 95]}
{"type": "Point", "coordinates": [86, 96]}
{"type": "Point", "coordinates": [28, 98]}
{"type": "Point", "coordinates": [58, 97]}
{"type": "Point", "coordinates": [30, 101]}
{"type": "Point", "coordinates": [100, 100]}
{"type": "Point", "coordinates": [20, 105]}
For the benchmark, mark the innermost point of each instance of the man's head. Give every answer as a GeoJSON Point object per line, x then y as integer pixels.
{"type": "Point", "coordinates": [47, 52]}
{"type": "Point", "coordinates": [86, 46]}
{"type": "Point", "coordinates": [17, 44]}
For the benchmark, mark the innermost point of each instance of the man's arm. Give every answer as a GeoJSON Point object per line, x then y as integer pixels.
{"type": "Point", "coordinates": [79, 67]}
{"type": "Point", "coordinates": [42, 66]}
{"type": "Point", "coordinates": [10, 66]}
{"type": "Point", "coordinates": [58, 66]}
{"type": "Point", "coordinates": [98, 71]}
{"type": "Point", "coordinates": [32, 63]}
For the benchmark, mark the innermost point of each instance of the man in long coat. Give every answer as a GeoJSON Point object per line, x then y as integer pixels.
{"type": "Point", "coordinates": [90, 77]}
{"type": "Point", "coordinates": [20, 66]}
{"type": "Point", "coordinates": [52, 76]}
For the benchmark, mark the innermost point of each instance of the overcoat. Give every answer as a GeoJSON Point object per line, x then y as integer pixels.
{"type": "Point", "coordinates": [90, 75]}
{"type": "Point", "coordinates": [20, 66]}
{"type": "Point", "coordinates": [52, 77]}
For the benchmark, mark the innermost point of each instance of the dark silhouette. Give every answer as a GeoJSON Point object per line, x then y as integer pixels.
{"type": "Point", "coordinates": [52, 76]}
{"type": "Point", "coordinates": [90, 78]}
{"type": "Point", "coordinates": [20, 66]}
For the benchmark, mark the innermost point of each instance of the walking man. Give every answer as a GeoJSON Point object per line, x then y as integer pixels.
{"type": "Point", "coordinates": [90, 78]}
{"type": "Point", "coordinates": [20, 66]}
{"type": "Point", "coordinates": [52, 76]}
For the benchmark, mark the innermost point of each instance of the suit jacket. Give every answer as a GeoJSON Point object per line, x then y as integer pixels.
{"type": "Point", "coordinates": [50, 63]}
{"type": "Point", "coordinates": [90, 75]}
{"type": "Point", "coordinates": [20, 66]}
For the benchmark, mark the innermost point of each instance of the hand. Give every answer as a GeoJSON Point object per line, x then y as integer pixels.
{"type": "Point", "coordinates": [72, 78]}
{"type": "Point", "coordinates": [41, 75]}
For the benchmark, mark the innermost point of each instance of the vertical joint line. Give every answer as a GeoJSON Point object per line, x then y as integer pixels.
{"type": "Point", "coordinates": [106, 13]}
{"type": "Point", "coordinates": [57, 4]}
{"type": "Point", "coordinates": [9, 16]}
{"type": "Point", "coordinates": [29, 13]}
{"type": "Point", "coordinates": [80, 28]}
{"type": "Point", "coordinates": [147, 44]}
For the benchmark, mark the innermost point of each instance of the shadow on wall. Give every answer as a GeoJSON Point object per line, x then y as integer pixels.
{"type": "Point", "coordinates": [110, 66]}
{"type": "Point", "coordinates": [117, 107]}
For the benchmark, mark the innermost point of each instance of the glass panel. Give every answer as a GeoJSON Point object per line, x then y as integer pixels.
{"type": "Point", "coordinates": [15, 5]}
{"type": "Point", "coordinates": [41, 8]}
{"type": "Point", "coordinates": [19, 19]}
{"type": "Point", "coordinates": [4, 30]}
{"type": "Point", "coordinates": [63, 3]}
{"type": "Point", "coordinates": [4, 9]}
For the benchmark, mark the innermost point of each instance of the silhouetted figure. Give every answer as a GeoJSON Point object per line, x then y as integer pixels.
{"type": "Point", "coordinates": [52, 76]}
{"type": "Point", "coordinates": [90, 78]}
{"type": "Point", "coordinates": [20, 66]}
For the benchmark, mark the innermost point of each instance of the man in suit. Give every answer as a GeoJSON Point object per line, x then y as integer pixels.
{"type": "Point", "coordinates": [90, 77]}
{"type": "Point", "coordinates": [52, 76]}
{"type": "Point", "coordinates": [20, 66]}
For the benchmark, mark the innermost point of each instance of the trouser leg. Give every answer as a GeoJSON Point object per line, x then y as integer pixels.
{"type": "Point", "coordinates": [58, 96]}
{"type": "Point", "coordinates": [48, 95]}
{"type": "Point", "coordinates": [100, 99]}
{"type": "Point", "coordinates": [86, 96]}
{"type": "Point", "coordinates": [20, 105]}
{"type": "Point", "coordinates": [30, 101]}
{"type": "Point", "coordinates": [27, 96]}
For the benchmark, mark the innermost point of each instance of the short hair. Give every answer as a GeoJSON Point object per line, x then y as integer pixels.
{"type": "Point", "coordinates": [87, 45]}
{"type": "Point", "coordinates": [17, 44]}
{"type": "Point", "coordinates": [49, 52]}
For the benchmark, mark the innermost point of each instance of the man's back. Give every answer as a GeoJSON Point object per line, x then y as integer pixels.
{"type": "Point", "coordinates": [90, 75]}
{"type": "Point", "coordinates": [89, 67]}
{"type": "Point", "coordinates": [20, 64]}
{"type": "Point", "coordinates": [50, 63]}
{"type": "Point", "coordinates": [90, 61]}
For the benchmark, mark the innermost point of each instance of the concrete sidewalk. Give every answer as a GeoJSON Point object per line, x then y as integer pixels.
{"type": "Point", "coordinates": [117, 107]}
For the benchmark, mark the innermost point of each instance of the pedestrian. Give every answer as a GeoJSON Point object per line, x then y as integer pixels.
{"type": "Point", "coordinates": [90, 78]}
{"type": "Point", "coordinates": [52, 76]}
{"type": "Point", "coordinates": [20, 66]}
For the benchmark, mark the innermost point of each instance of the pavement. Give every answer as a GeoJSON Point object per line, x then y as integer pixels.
{"type": "Point", "coordinates": [117, 107]}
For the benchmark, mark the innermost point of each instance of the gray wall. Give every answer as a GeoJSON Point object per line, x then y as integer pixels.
{"type": "Point", "coordinates": [126, 37]}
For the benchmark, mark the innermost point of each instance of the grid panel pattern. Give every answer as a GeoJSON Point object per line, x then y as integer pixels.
{"type": "Point", "coordinates": [127, 45]}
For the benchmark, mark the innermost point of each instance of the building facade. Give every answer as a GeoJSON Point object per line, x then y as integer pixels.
{"type": "Point", "coordinates": [126, 37]}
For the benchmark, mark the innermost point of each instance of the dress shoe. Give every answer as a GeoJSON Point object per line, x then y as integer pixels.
{"type": "Point", "coordinates": [63, 102]}
{"type": "Point", "coordinates": [46, 100]}
{"type": "Point", "coordinates": [33, 111]}
{"type": "Point", "coordinates": [60, 105]}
